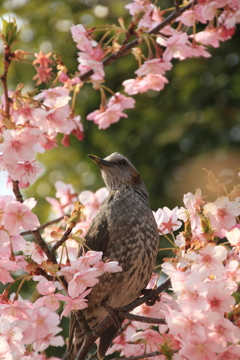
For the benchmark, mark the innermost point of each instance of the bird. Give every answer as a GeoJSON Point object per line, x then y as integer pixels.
{"type": "Point", "coordinates": [125, 230]}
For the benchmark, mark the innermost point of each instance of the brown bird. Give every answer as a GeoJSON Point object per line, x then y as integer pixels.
{"type": "Point", "coordinates": [125, 230]}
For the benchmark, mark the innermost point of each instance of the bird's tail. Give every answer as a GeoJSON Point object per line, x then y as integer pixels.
{"type": "Point", "coordinates": [76, 338]}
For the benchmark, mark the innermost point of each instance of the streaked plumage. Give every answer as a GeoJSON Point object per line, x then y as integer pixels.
{"type": "Point", "coordinates": [125, 230]}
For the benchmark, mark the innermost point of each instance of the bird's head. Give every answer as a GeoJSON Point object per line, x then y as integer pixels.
{"type": "Point", "coordinates": [118, 172]}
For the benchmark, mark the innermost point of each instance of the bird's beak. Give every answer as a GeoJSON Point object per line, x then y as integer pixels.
{"type": "Point", "coordinates": [100, 161]}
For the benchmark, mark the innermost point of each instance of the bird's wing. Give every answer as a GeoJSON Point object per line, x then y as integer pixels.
{"type": "Point", "coordinates": [97, 236]}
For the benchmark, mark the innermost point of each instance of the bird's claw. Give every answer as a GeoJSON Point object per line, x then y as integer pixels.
{"type": "Point", "coordinates": [153, 295]}
{"type": "Point", "coordinates": [112, 312]}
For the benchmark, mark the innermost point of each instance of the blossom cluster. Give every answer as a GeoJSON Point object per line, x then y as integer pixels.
{"type": "Point", "coordinates": [203, 318]}
{"type": "Point", "coordinates": [28, 328]}
{"type": "Point", "coordinates": [219, 17]}
{"type": "Point", "coordinates": [35, 123]}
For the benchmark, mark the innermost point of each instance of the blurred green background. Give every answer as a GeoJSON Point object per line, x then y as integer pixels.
{"type": "Point", "coordinates": [170, 136]}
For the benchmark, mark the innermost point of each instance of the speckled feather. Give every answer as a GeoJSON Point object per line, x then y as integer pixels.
{"type": "Point", "coordinates": [126, 231]}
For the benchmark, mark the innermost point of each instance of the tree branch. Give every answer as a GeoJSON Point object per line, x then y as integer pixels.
{"type": "Point", "coordinates": [92, 336]}
{"type": "Point", "coordinates": [126, 48]}
{"type": "Point", "coordinates": [44, 246]}
{"type": "Point", "coordinates": [143, 356]}
{"type": "Point", "coordinates": [16, 191]}
{"type": "Point", "coordinates": [41, 227]}
{"type": "Point", "coordinates": [64, 237]}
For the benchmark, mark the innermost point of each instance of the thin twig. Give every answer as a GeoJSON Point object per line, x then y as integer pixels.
{"type": "Point", "coordinates": [140, 318]}
{"type": "Point", "coordinates": [44, 246]}
{"type": "Point", "coordinates": [16, 191]}
{"type": "Point", "coordinates": [64, 237]}
{"type": "Point", "coordinates": [143, 356]}
{"type": "Point", "coordinates": [43, 226]}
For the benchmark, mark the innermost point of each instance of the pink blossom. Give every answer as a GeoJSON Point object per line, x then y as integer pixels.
{"type": "Point", "coordinates": [193, 205]}
{"type": "Point", "coordinates": [231, 353]}
{"type": "Point", "coordinates": [210, 261]}
{"type": "Point", "coordinates": [82, 38]}
{"type": "Point", "coordinates": [5, 267]}
{"type": "Point", "coordinates": [197, 348]}
{"type": "Point", "coordinates": [138, 6]}
{"type": "Point", "coordinates": [90, 258]}
{"type": "Point", "coordinates": [35, 252]}
{"type": "Point", "coordinates": [104, 118]}
{"type": "Point", "coordinates": [175, 46]}
{"type": "Point", "coordinates": [208, 37]}
{"type": "Point", "coordinates": [209, 9]}
{"type": "Point", "coordinates": [17, 146]}
{"type": "Point", "coordinates": [65, 193]}
{"type": "Point", "coordinates": [93, 62]}
{"type": "Point", "coordinates": [16, 310]}
{"type": "Point", "coordinates": [5, 244]}
{"type": "Point", "coordinates": [25, 172]}
{"type": "Point", "coordinates": [232, 19]}
{"type": "Point", "coordinates": [122, 101]}
{"type": "Point", "coordinates": [218, 297]}
{"type": "Point", "coordinates": [78, 303]}
{"type": "Point", "coordinates": [222, 214]}
{"type": "Point", "coordinates": [178, 277]}
{"type": "Point", "coordinates": [154, 82]}
{"type": "Point", "coordinates": [43, 60]}
{"type": "Point", "coordinates": [92, 201]}
{"type": "Point", "coordinates": [233, 237]}
{"type": "Point", "coordinates": [166, 220]}
{"type": "Point", "coordinates": [221, 331]}
{"type": "Point", "coordinates": [54, 97]}
{"type": "Point", "coordinates": [43, 75]}
{"type": "Point", "coordinates": [188, 17]}
{"type": "Point", "coordinates": [153, 66]}
{"type": "Point", "coordinates": [151, 18]}
{"type": "Point", "coordinates": [110, 266]}
{"type": "Point", "coordinates": [151, 338]}
{"type": "Point", "coordinates": [232, 272]}
{"type": "Point", "coordinates": [187, 323]}
{"type": "Point", "coordinates": [18, 216]}
{"type": "Point", "coordinates": [81, 280]}
{"type": "Point", "coordinates": [42, 330]}
{"type": "Point", "coordinates": [11, 338]}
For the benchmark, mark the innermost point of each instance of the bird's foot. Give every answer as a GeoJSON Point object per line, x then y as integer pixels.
{"type": "Point", "coordinates": [112, 312]}
{"type": "Point", "coordinates": [153, 296]}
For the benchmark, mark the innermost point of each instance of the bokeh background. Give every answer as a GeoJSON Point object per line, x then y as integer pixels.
{"type": "Point", "coordinates": [194, 123]}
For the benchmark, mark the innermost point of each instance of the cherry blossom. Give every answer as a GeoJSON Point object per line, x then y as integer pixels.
{"type": "Point", "coordinates": [210, 261]}
{"type": "Point", "coordinates": [5, 267]}
{"type": "Point", "coordinates": [18, 216]}
{"type": "Point", "coordinates": [233, 237]}
{"type": "Point", "coordinates": [105, 117]}
{"type": "Point", "coordinates": [92, 201]}
{"type": "Point", "coordinates": [154, 82]}
{"type": "Point", "coordinates": [25, 172]}
{"type": "Point", "coordinates": [92, 61]}
{"type": "Point", "coordinates": [81, 280]}
{"type": "Point", "coordinates": [82, 38]}
{"type": "Point", "coordinates": [154, 66]}
{"type": "Point", "coordinates": [193, 206]}
{"type": "Point", "coordinates": [222, 214]}
{"type": "Point", "coordinates": [166, 220]}
{"type": "Point", "coordinates": [17, 146]}
{"type": "Point", "coordinates": [11, 338]}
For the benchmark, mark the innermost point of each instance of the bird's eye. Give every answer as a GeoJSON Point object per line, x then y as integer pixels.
{"type": "Point", "coordinates": [122, 162]}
